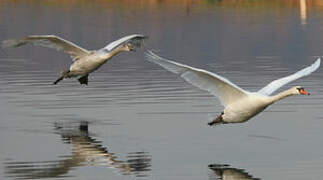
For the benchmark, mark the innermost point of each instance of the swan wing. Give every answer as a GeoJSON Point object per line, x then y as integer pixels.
{"type": "Point", "coordinates": [49, 41]}
{"type": "Point", "coordinates": [135, 40]}
{"type": "Point", "coordinates": [219, 86]}
{"type": "Point", "coordinates": [274, 85]}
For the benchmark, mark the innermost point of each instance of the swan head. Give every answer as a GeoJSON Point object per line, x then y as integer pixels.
{"type": "Point", "coordinates": [127, 47]}
{"type": "Point", "coordinates": [298, 90]}
{"type": "Point", "coordinates": [134, 44]}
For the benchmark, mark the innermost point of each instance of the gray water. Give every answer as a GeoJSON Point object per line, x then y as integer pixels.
{"type": "Point", "coordinates": [138, 121]}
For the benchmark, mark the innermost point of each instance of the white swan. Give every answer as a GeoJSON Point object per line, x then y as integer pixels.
{"type": "Point", "coordinates": [84, 61]}
{"type": "Point", "coordinates": [240, 105]}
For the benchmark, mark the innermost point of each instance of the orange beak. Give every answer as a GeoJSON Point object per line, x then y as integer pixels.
{"type": "Point", "coordinates": [302, 91]}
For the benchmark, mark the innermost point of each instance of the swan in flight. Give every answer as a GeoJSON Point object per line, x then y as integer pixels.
{"type": "Point", "coordinates": [84, 61]}
{"type": "Point", "coordinates": [240, 105]}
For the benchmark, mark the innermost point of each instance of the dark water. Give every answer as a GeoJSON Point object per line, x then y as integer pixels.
{"type": "Point", "coordinates": [138, 121]}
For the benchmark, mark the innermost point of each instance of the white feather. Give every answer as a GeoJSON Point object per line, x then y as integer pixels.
{"type": "Point", "coordinates": [217, 85]}
{"type": "Point", "coordinates": [240, 105]}
{"type": "Point", "coordinates": [49, 41]}
{"type": "Point", "coordinates": [118, 42]}
{"type": "Point", "coordinates": [274, 85]}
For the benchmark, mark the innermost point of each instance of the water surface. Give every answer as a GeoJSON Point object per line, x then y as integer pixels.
{"type": "Point", "coordinates": [138, 121]}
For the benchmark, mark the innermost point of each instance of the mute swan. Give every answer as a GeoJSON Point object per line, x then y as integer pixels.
{"type": "Point", "coordinates": [240, 105]}
{"type": "Point", "coordinates": [84, 61]}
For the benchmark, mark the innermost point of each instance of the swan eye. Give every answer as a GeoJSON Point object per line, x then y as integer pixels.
{"type": "Point", "coordinates": [300, 89]}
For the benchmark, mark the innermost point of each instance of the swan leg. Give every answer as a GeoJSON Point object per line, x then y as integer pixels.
{"type": "Point", "coordinates": [63, 75]}
{"type": "Point", "coordinates": [59, 79]}
{"type": "Point", "coordinates": [84, 79]}
{"type": "Point", "coordinates": [218, 120]}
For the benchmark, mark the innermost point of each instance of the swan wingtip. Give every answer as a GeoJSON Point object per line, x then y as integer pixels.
{"type": "Point", "coordinates": [10, 43]}
{"type": "Point", "coordinates": [317, 63]}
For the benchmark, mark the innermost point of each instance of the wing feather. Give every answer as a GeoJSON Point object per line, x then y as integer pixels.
{"type": "Point", "coordinates": [135, 39]}
{"type": "Point", "coordinates": [217, 85]}
{"type": "Point", "coordinates": [274, 85]}
{"type": "Point", "coordinates": [49, 41]}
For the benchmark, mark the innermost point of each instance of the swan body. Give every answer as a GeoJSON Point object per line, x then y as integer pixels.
{"type": "Point", "coordinates": [245, 108]}
{"type": "Point", "coordinates": [240, 105]}
{"type": "Point", "coordinates": [84, 61]}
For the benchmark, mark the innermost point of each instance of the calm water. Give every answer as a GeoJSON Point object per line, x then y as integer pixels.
{"type": "Point", "coordinates": [137, 121]}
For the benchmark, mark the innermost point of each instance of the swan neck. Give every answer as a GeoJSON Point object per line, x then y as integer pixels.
{"type": "Point", "coordinates": [281, 95]}
{"type": "Point", "coordinates": [114, 52]}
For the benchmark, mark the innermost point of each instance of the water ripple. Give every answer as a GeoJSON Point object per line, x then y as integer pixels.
{"type": "Point", "coordinates": [86, 151]}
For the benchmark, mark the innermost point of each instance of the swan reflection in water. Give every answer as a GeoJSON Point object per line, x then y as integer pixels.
{"type": "Point", "coordinates": [224, 171]}
{"type": "Point", "coordinates": [86, 151]}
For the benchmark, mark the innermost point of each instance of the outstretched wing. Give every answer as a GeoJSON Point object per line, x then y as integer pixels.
{"type": "Point", "coordinates": [273, 86]}
{"type": "Point", "coordinates": [49, 41]}
{"type": "Point", "coordinates": [219, 86]}
{"type": "Point", "coordinates": [135, 40]}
